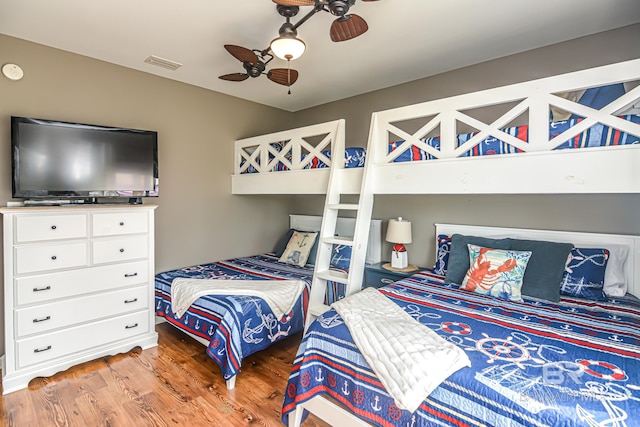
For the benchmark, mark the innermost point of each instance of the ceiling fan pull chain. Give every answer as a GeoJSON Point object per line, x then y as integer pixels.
{"type": "Point", "coordinates": [289, 75]}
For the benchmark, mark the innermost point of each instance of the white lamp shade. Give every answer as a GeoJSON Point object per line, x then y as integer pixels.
{"type": "Point", "coordinates": [398, 231]}
{"type": "Point", "coordinates": [288, 48]}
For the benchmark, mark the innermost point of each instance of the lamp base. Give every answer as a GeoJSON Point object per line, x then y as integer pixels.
{"type": "Point", "coordinates": [399, 258]}
{"type": "Point", "coordinates": [409, 268]}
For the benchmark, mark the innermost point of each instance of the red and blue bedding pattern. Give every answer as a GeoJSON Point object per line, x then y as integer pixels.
{"type": "Point", "coordinates": [235, 326]}
{"type": "Point", "coordinates": [572, 363]}
{"type": "Point", "coordinates": [354, 157]}
{"type": "Point", "coordinates": [598, 135]}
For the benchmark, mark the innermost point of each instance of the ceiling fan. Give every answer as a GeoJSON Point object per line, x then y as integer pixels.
{"type": "Point", "coordinates": [345, 27]}
{"type": "Point", "coordinates": [287, 46]}
{"type": "Point", "coordinates": [255, 64]}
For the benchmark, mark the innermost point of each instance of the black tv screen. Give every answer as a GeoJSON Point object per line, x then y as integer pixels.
{"type": "Point", "coordinates": [53, 159]}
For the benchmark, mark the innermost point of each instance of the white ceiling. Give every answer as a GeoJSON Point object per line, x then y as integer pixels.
{"type": "Point", "coordinates": [407, 39]}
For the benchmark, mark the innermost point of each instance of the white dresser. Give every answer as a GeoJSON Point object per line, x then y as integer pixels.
{"type": "Point", "coordinates": [78, 285]}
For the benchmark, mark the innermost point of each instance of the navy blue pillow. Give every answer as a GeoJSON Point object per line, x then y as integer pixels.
{"type": "Point", "coordinates": [545, 268]}
{"type": "Point", "coordinates": [458, 262]}
{"type": "Point", "coordinates": [341, 256]}
{"type": "Point", "coordinates": [442, 255]}
{"type": "Point", "coordinates": [584, 274]}
{"type": "Point", "coordinates": [282, 245]}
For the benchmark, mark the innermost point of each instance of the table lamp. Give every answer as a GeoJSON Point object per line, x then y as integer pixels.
{"type": "Point", "coordinates": [399, 232]}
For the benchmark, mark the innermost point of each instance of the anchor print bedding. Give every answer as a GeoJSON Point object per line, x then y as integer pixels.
{"type": "Point", "coordinates": [533, 363]}
{"type": "Point", "coordinates": [236, 326]}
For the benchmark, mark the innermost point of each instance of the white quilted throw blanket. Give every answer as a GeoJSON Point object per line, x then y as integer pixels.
{"type": "Point", "coordinates": [410, 359]}
{"type": "Point", "coordinates": [280, 295]}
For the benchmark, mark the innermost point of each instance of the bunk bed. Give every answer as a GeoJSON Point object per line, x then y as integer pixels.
{"type": "Point", "coordinates": [296, 161]}
{"type": "Point", "coordinates": [592, 347]}
{"type": "Point", "coordinates": [234, 326]}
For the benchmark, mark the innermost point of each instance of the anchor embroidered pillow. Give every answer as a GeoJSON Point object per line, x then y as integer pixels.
{"type": "Point", "coordinates": [299, 247]}
{"type": "Point", "coordinates": [496, 272]}
{"type": "Point", "coordinates": [584, 273]}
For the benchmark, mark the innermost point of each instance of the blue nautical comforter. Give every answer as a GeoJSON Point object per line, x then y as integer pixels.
{"type": "Point", "coordinates": [537, 363]}
{"type": "Point", "coordinates": [235, 326]}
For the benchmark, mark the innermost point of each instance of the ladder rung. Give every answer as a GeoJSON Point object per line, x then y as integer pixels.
{"type": "Point", "coordinates": [344, 206]}
{"type": "Point", "coordinates": [317, 309]}
{"type": "Point", "coordinates": [333, 275]}
{"type": "Point", "coordinates": [336, 240]}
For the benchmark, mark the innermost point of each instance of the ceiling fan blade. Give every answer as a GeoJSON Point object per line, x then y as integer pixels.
{"type": "Point", "coordinates": [369, 0]}
{"type": "Point", "coordinates": [242, 54]}
{"type": "Point", "coordinates": [282, 76]}
{"type": "Point", "coordinates": [295, 2]}
{"type": "Point", "coordinates": [235, 77]}
{"type": "Point", "coordinates": [347, 28]}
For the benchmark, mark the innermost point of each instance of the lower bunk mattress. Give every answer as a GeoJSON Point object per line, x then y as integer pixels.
{"type": "Point", "coordinates": [536, 363]}
{"type": "Point", "coordinates": [235, 326]}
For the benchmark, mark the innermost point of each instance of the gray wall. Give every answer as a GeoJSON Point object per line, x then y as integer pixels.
{"type": "Point", "coordinates": [197, 219]}
{"type": "Point", "coordinates": [601, 213]}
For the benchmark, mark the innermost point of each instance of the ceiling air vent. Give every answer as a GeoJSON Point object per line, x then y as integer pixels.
{"type": "Point", "coordinates": [164, 63]}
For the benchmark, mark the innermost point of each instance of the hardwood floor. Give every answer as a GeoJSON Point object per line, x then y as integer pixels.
{"type": "Point", "coordinates": [174, 384]}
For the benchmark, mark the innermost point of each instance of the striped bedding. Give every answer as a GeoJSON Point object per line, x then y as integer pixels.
{"type": "Point", "coordinates": [572, 363]}
{"type": "Point", "coordinates": [354, 157]}
{"type": "Point", "coordinates": [235, 326]}
{"type": "Point", "coordinates": [596, 136]}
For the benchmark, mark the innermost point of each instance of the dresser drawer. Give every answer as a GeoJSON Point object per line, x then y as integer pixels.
{"type": "Point", "coordinates": [50, 227]}
{"type": "Point", "coordinates": [111, 224]}
{"type": "Point", "coordinates": [35, 258]}
{"type": "Point", "coordinates": [43, 348]}
{"type": "Point", "coordinates": [46, 317]}
{"type": "Point", "coordinates": [48, 287]}
{"type": "Point", "coordinates": [122, 249]}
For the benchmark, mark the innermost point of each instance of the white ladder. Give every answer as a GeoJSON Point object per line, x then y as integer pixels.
{"type": "Point", "coordinates": [327, 238]}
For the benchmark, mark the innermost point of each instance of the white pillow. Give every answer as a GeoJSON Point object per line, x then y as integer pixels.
{"type": "Point", "coordinates": [299, 247]}
{"type": "Point", "coordinates": [615, 284]}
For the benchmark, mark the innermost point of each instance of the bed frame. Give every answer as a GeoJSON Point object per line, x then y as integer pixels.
{"type": "Point", "coordinates": [538, 170]}
{"type": "Point", "coordinates": [336, 415]}
{"type": "Point", "coordinates": [256, 152]}
{"type": "Point", "coordinates": [312, 223]}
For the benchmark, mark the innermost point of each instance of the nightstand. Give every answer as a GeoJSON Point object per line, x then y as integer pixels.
{"type": "Point", "coordinates": [375, 276]}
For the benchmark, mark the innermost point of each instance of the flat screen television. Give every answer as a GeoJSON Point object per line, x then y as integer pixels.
{"type": "Point", "coordinates": [67, 161]}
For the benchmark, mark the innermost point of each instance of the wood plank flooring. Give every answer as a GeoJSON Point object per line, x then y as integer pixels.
{"type": "Point", "coordinates": [174, 384]}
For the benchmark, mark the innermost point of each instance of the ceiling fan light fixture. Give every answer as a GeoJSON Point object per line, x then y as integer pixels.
{"type": "Point", "coordinates": [288, 47]}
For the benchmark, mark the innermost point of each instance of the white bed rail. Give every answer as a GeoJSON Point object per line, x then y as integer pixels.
{"type": "Point", "coordinates": [256, 158]}
{"type": "Point", "coordinates": [596, 169]}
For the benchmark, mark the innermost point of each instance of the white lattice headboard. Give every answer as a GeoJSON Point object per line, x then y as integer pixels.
{"type": "Point", "coordinates": [345, 228]}
{"type": "Point", "coordinates": [596, 240]}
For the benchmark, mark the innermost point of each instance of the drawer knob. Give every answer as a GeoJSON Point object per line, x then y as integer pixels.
{"type": "Point", "coordinates": [129, 301]}
{"type": "Point", "coordinates": [53, 227]}
{"type": "Point", "coordinates": [121, 250]}
{"type": "Point", "coordinates": [40, 350]}
{"type": "Point", "coordinates": [42, 319]}
{"type": "Point", "coordinates": [130, 274]}
{"type": "Point", "coordinates": [46, 288]}
{"type": "Point", "coordinates": [386, 281]}
{"type": "Point", "coordinates": [135, 325]}
{"type": "Point", "coordinates": [121, 223]}
{"type": "Point", "coordinates": [54, 257]}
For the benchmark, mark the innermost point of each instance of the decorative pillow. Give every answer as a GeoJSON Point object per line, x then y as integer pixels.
{"type": "Point", "coordinates": [282, 245]}
{"type": "Point", "coordinates": [458, 262]}
{"type": "Point", "coordinates": [299, 247]}
{"type": "Point", "coordinates": [545, 268]}
{"type": "Point", "coordinates": [584, 274]}
{"type": "Point", "coordinates": [496, 272]}
{"type": "Point", "coordinates": [340, 256]}
{"type": "Point", "coordinates": [442, 254]}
